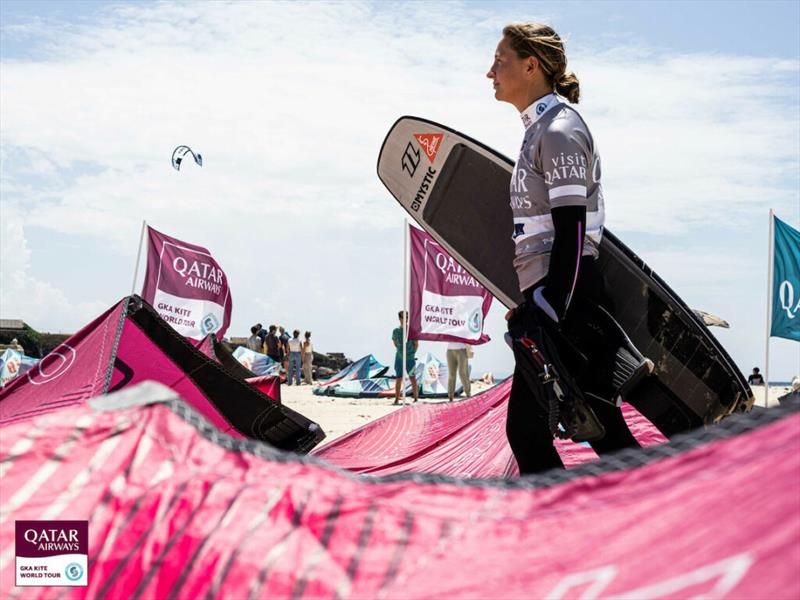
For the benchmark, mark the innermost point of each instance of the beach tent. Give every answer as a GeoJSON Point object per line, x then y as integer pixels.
{"type": "Point", "coordinates": [430, 372]}
{"type": "Point", "coordinates": [366, 367]}
{"type": "Point", "coordinates": [178, 509]}
{"type": "Point", "coordinates": [130, 343]}
{"type": "Point", "coordinates": [463, 439]}
{"type": "Point", "coordinates": [359, 388]}
{"type": "Point", "coordinates": [258, 363]}
{"type": "Point", "coordinates": [13, 364]}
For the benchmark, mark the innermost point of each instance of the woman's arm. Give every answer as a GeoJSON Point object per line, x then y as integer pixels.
{"type": "Point", "coordinates": [565, 158]}
{"type": "Point", "coordinates": [565, 257]}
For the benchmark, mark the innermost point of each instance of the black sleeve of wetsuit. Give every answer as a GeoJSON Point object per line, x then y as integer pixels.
{"type": "Point", "coordinates": [562, 276]}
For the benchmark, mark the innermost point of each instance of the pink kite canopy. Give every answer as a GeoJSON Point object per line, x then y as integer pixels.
{"type": "Point", "coordinates": [462, 439]}
{"type": "Point", "coordinates": [130, 343]}
{"type": "Point", "coordinates": [177, 509]}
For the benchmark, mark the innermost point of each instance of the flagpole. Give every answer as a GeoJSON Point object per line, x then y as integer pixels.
{"type": "Point", "coordinates": [771, 259]}
{"type": "Point", "coordinates": [138, 256]}
{"type": "Point", "coordinates": [405, 308]}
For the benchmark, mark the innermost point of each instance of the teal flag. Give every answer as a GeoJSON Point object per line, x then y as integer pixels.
{"type": "Point", "coordinates": [786, 282]}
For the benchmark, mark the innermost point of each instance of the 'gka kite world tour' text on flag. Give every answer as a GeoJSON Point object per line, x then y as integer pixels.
{"type": "Point", "coordinates": [786, 282]}
{"type": "Point", "coordinates": [447, 303]}
{"type": "Point", "coordinates": [186, 286]}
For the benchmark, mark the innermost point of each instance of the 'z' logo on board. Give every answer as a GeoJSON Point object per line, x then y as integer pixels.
{"type": "Point", "coordinates": [410, 159]}
{"type": "Point", "coordinates": [430, 142]}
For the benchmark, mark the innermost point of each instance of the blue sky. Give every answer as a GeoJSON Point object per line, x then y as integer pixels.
{"type": "Point", "coordinates": [695, 107]}
{"type": "Point", "coordinates": [765, 28]}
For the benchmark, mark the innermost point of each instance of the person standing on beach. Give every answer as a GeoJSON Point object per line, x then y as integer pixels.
{"type": "Point", "coordinates": [308, 358]}
{"type": "Point", "coordinates": [557, 204]}
{"type": "Point", "coordinates": [457, 361]}
{"type": "Point", "coordinates": [411, 360]}
{"type": "Point", "coordinates": [756, 378]}
{"type": "Point", "coordinates": [284, 347]}
{"type": "Point", "coordinates": [262, 334]}
{"type": "Point", "coordinates": [254, 342]}
{"type": "Point", "coordinates": [273, 343]}
{"type": "Point", "coordinates": [295, 347]}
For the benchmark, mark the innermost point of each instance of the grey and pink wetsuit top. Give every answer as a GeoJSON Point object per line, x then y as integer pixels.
{"type": "Point", "coordinates": [558, 165]}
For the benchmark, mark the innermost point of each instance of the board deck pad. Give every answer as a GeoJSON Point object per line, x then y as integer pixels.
{"type": "Point", "coordinates": [457, 190]}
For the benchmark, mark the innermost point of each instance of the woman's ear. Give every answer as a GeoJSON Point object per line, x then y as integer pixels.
{"type": "Point", "coordinates": [533, 64]}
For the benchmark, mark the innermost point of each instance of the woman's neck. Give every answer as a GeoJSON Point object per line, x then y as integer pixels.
{"type": "Point", "coordinates": [532, 95]}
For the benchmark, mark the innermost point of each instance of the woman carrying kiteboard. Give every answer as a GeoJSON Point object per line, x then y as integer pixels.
{"type": "Point", "coordinates": [557, 203]}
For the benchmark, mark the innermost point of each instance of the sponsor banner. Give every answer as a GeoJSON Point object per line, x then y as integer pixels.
{"type": "Point", "coordinates": [786, 282]}
{"type": "Point", "coordinates": [447, 303]}
{"type": "Point", "coordinates": [187, 287]}
{"type": "Point", "coordinates": [52, 553]}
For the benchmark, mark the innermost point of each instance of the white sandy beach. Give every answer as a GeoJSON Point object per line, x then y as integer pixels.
{"type": "Point", "coordinates": [775, 392]}
{"type": "Point", "coordinates": [338, 416]}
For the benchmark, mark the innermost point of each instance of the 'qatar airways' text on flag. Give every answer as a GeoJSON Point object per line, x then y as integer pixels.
{"type": "Point", "coordinates": [447, 303]}
{"type": "Point", "coordinates": [186, 286]}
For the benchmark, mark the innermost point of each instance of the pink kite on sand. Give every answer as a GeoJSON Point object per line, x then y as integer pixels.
{"type": "Point", "coordinates": [130, 343]}
{"type": "Point", "coordinates": [462, 439]}
{"type": "Point", "coordinates": [178, 510]}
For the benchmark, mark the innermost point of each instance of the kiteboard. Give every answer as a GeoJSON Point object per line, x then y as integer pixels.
{"type": "Point", "coordinates": [457, 189]}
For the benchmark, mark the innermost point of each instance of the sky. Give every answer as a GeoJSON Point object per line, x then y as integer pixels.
{"type": "Point", "coordinates": [695, 107]}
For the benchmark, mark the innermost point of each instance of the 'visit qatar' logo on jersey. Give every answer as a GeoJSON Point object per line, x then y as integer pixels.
{"type": "Point", "coordinates": [430, 143]}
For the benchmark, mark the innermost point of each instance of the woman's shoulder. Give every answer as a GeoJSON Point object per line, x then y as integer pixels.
{"type": "Point", "coordinates": [566, 127]}
{"type": "Point", "coordinates": [565, 119]}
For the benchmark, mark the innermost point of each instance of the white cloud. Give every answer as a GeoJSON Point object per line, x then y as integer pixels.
{"type": "Point", "coordinates": [289, 104]}
{"type": "Point", "coordinates": [23, 295]}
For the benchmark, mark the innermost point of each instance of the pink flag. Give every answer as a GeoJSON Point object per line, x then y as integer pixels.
{"type": "Point", "coordinates": [447, 303]}
{"type": "Point", "coordinates": [187, 287]}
